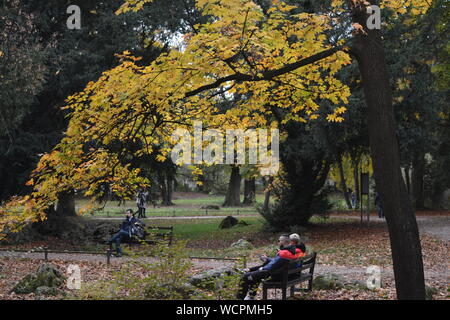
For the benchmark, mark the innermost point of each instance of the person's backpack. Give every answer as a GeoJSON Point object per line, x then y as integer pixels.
{"type": "Point", "coordinates": [137, 229]}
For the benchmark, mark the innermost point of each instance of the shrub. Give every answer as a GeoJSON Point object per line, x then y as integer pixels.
{"type": "Point", "coordinates": [294, 210]}
{"type": "Point", "coordinates": [162, 275]}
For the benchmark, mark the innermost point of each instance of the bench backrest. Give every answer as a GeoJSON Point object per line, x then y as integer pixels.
{"type": "Point", "coordinates": [162, 232]}
{"type": "Point", "coordinates": [152, 229]}
{"type": "Point", "coordinates": [296, 266]}
{"type": "Point", "coordinates": [308, 262]}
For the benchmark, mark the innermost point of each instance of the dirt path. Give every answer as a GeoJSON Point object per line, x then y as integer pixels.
{"type": "Point", "coordinates": [435, 226]}
{"type": "Point", "coordinates": [351, 273]}
{"type": "Point", "coordinates": [181, 217]}
{"type": "Point", "coordinates": [438, 227]}
{"type": "Point", "coordinates": [206, 263]}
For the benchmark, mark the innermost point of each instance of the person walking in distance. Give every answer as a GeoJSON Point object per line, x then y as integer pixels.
{"type": "Point", "coordinates": [141, 201]}
{"type": "Point", "coordinates": [379, 206]}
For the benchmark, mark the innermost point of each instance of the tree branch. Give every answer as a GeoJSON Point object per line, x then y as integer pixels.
{"type": "Point", "coordinates": [267, 75]}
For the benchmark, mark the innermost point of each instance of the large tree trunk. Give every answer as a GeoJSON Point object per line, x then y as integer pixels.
{"type": "Point", "coordinates": [249, 192]}
{"type": "Point", "coordinates": [418, 172]}
{"type": "Point", "coordinates": [66, 204]}
{"type": "Point", "coordinates": [343, 182]}
{"type": "Point", "coordinates": [398, 210]}
{"type": "Point", "coordinates": [232, 198]}
{"type": "Point", "coordinates": [59, 222]}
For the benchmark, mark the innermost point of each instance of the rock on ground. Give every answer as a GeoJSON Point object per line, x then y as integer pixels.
{"type": "Point", "coordinates": [242, 244]}
{"type": "Point", "coordinates": [46, 280]}
{"type": "Point", "coordinates": [228, 222]}
{"type": "Point", "coordinates": [207, 278]}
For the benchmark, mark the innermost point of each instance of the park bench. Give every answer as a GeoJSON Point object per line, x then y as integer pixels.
{"type": "Point", "coordinates": [151, 235]}
{"type": "Point", "coordinates": [155, 235]}
{"type": "Point", "coordinates": [291, 274]}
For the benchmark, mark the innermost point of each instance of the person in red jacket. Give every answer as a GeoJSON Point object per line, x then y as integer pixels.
{"type": "Point", "coordinates": [251, 279]}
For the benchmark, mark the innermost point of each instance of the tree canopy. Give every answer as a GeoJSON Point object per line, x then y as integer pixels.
{"type": "Point", "coordinates": [272, 56]}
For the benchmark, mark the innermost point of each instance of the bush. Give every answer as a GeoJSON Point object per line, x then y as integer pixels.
{"type": "Point", "coordinates": [294, 210]}
{"type": "Point", "coordinates": [164, 275]}
{"type": "Point", "coordinates": [218, 284]}
{"type": "Point", "coordinates": [160, 275]}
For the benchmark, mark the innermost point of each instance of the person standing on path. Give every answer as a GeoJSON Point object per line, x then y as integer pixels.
{"type": "Point", "coordinates": [141, 201]}
{"type": "Point", "coordinates": [379, 206]}
{"type": "Point", "coordinates": [354, 200]}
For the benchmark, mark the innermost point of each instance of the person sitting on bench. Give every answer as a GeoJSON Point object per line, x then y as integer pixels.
{"type": "Point", "coordinates": [295, 241]}
{"type": "Point", "coordinates": [125, 231]}
{"type": "Point", "coordinates": [251, 279]}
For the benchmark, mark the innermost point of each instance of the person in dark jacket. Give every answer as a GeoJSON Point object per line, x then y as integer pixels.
{"type": "Point", "coordinates": [141, 202]}
{"type": "Point", "coordinates": [379, 206]}
{"type": "Point", "coordinates": [251, 279]}
{"type": "Point", "coordinates": [125, 231]}
{"type": "Point", "coordinates": [354, 199]}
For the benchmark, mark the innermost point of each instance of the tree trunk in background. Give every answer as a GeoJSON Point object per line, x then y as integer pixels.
{"type": "Point", "coordinates": [162, 188]}
{"type": "Point", "coordinates": [407, 179]}
{"type": "Point", "coordinates": [343, 183]}
{"type": "Point", "coordinates": [418, 172]}
{"type": "Point", "coordinates": [166, 190]}
{"type": "Point", "coordinates": [170, 186]}
{"type": "Point", "coordinates": [398, 210]}
{"type": "Point", "coordinates": [356, 181]}
{"type": "Point", "coordinates": [438, 198]}
{"type": "Point", "coordinates": [249, 192]}
{"type": "Point", "coordinates": [66, 204]}
{"type": "Point", "coordinates": [202, 187]}
{"type": "Point", "coordinates": [267, 194]}
{"type": "Point", "coordinates": [232, 198]}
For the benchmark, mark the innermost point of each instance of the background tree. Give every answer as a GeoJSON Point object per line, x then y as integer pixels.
{"type": "Point", "coordinates": [72, 59]}
{"type": "Point", "coordinates": [418, 102]}
{"type": "Point", "coordinates": [22, 75]}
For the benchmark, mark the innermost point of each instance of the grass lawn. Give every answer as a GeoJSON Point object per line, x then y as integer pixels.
{"type": "Point", "coordinates": [206, 229]}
